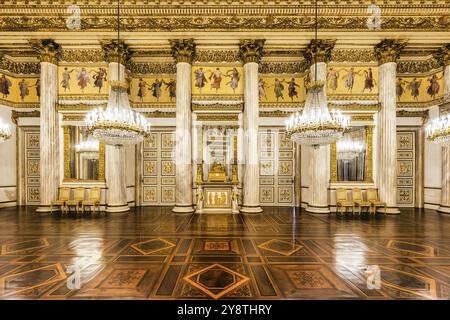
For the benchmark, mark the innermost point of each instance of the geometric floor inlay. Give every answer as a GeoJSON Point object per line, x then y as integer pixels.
{"type": "Point", "coordinates": [216, 280]}
{"type": "Point", "coordinates": [152, 246]}
{"type": "Point", "coordinates": [280, 246]}
{"type": "Point", "coordinates": [12, 248]}
{"type": "Point", "coordinates": [414, 248]}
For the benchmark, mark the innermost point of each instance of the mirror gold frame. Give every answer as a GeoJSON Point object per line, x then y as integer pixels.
{"type": "Point", "coordinates": [101, 160]}
{"type": "Point", "coordinates": [368, 170]}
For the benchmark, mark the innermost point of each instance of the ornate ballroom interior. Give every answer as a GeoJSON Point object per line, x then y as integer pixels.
{"type": "Point", "coordinates": [224, 149]}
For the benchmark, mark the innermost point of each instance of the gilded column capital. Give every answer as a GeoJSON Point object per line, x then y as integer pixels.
{"type": "Point", "coordinates": [443, 55]}
{"type": "Point", "coordinates": [319, 50]}
{"type": "Point", "coordinates": [251, 50]}
{"type": "Point", "coordinates": [116, 50]}
{"type": "Point", "coordinates": [183, 50]}
{"type": "Point", "coordinates": [47, 49]}
{"type": "Point", "coordinates": [389, 50]}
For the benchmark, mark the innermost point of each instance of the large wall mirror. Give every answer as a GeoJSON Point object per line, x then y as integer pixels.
{"type": "Point", "coordinates": [351, 156]}
{"type": "Point", "coordinates": [84, 157]}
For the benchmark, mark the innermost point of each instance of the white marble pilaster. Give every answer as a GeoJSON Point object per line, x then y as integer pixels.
{"type": "Point", "coordinates": [444, 206]}
{"type": "Point", "coordinates": [183, 148]}
{"type": "Point", "coordinates": [49, 136]}
{"type": "Point", "coordinates": [387, 137]}
{"type": "Point", "coordinates": [115, 164]}
{"type": "Point", "coordinates": [251, 202]}
{"type": "Point", "coordinates": [319, 161]}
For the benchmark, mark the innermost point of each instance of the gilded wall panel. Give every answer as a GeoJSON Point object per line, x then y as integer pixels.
{"type": "Point", "coordinates": [82, 80]}
{"type": "Point", "coordinates": [406, 170]}
{"type": "Point", "coordinates": [217, 80]}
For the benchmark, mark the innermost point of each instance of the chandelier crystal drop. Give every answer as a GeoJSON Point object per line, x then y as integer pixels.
{"type": "Point", "coordinates": [5, 132]}
{"type": "Point", "coordinates": [315, 125]}
{"type": "Point", "coordinates": [117, 124]}
{"type": "Point", "coordinates": [438, 131]}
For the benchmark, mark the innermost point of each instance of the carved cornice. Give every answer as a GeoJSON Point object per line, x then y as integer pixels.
{"type": "Point", "coordinates": [423, 104]}
{"type": "Point", "coordinates": [353, 55]}
{"type": "Point", "coordinates": [152, 67]}
{"type": "Point", "coordinates": [275, 114]}
{"type": "Point", "coordinates": [82, 55]}
{"type": "Point", "coordinates": [421, 66]}
{"type": "Point", "coordinates": [183, 50]}
{"type": "Point", "coordinates": [283, 67]}
{"type": "Point", "coordinates": [217, 117]}
{"type": "Point", "coordinates": [319, 50]}
{"type": "Point", "coordinates": [47, 50]}
{"type": "Point", "coordinates": [388, 50]}
{"type": "Point", "coordinates": [17, 68]}
{"type": "Point", "coordinates": [15, 115]}
{"type": "Point", "coordinates": [19, 105]}
{"type": "Point", "coordinates": [251, 50]}
{"type": "Point", "coordinates": [116, 51]}
{"type": "Point", "coordinates": [217, 56]}
{"type": "Point", "coordinates": [443, 55]}
{"type": "Point", "coordinates": [159, 114]}
{"type": "Point", "coordinates": [424, 114]}
{"type": "Point", "coordinates": [217, 107]}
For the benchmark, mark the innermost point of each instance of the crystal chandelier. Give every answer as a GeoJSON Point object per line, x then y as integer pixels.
{"type": "Point", "coordinates": [348, 149]}
{"type": "Point", "coordinates": [88, 148]}
{"type": "Point", "coordinates": [117, 124]}
{"type": "Point", "coordinates": [315, 126]}
{"type": "Point", "coordinates": [438, 131]}
{"type": "Point", "coordinates": [5, 132]}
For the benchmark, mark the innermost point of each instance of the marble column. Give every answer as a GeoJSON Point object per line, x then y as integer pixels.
{"type": "Point", "coordinates": [443, 56]}
{"type": "Point", "coordinates": [251, 53]}
{"type": "Point", "coordinates": [297, 176]}
{"type": "Point", "coordinates": [115, 165]}
{"type": "Point", "coordinates": [387, 53]}
{"type": "Point", "coordinates": [183, 51]}
{"type": "Point", "coordinates": [318, 53]}
{"type": "Point", "coordinates": [48, 52]}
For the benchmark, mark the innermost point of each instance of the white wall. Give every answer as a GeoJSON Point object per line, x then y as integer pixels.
{"type": "Point", "coordinates": [433, 168]}
{"type": "Point", "coordinates": [8, 190]}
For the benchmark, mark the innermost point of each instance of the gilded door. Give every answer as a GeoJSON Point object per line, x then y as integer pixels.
{"type": "Point", "coordinates": [406, 168]}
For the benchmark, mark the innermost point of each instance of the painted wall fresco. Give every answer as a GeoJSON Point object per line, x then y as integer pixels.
{"type": "Point", "coordinates": [349, 80]}
{"type": "Point", "coordinates": [81, 80]}
{"type": "Point", "coordinates": [152, 89]}
{"type": "Point", "coordinates": [19, 90]}
{"type": "Point", "coordinates": [420, 89]}
{"type": "Point", "coordinates": [217, 80]}
{"type": "Point", "coordinates": [278, 89]}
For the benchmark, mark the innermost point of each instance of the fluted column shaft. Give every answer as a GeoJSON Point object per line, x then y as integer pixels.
{"type": "Point", "coordinates": [318, 188]}
{"type": "Point", "coordinates": [115, 166]}
{"type": "Point", "coordinates": [49, 136]}
{"type": "Point", "coordinates": [183, 148]}
{"type": "Point", "coordinates": [387, 137]}
{"type": "Point", "coordinates": [251, 117]}
{"type": "Point", "coordinates": [445, 191]}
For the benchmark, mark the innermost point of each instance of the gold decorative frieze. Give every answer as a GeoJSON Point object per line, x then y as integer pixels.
{"type": "Point", "coordinates": [15, 115]}
{"type": "Point", "coordinates": [443, 55]}
{"type": "Point", "coordinates": [361, 117]}
{"type": "Point", "coordinates": [19, 105]}
{"type": "Point", "coordinates": [424, 114]}
{"type": "Point", "coordinates": [183, 50]}
{"type": "Point", "coordinates": [217, 106]}
{"type": "Point", "coordinates": [291, 68]}
{"type": "Point", "coordinates": [159, 114]}
{"type": "Point", "coordinates": [217, 116]}
{"type": "Point", "coordinates": [48, 50]}
{"type": "Point", "coordinates": [275, 114]}
{"type": "Point", "coordinates": [151, 68]}
{"type": "Point", "coordinates": [422, 66]}
{"type": "Point", "coordinates": [19, 68]}
{"type": "Point", "coordinates": [116, 50]}
{"type": "Point", "coordinates": [82, 55]}
{"type": "Point", "coordinates": [217, 56]}
{"type": "Point", "coordinates": [79, 106]}
{"type": "Point", "coordinates": [319, 50]}
{"type": "Point", "coordinates": [420, 104]}
{"type": "Point", "coordinates": [251, 50]}
{"type": "Point", "coordinates": [73, 117]}
{"type": "Point", "coordinates": [388, 50]}
{"type": "Point", "coordinates": [353, 55]}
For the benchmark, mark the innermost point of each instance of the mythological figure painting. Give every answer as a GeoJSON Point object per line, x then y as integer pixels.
{"type": "Point", "coordinates": [292, 89]}
{"type": "Point", "coordinates": [83, 79]}
{"type": "Point", "coordinates": [399, 90]}
{"type": "Point", "coordinates": [216, 78]}
{"type": "Point", "coordinates": [5, 84]}
{"type": "Point", "coordinates": [38, 87]}
{"type": "Point", "coordinates": [171, 86]}
{"type": "Point", "coordinates": [433, 87]}
{"type": "Point", "coordinates": [23, 89]}
{"type": "Point", "coordinates": [235, 77]}
{"type": "Point", "coordinates": [414, 86]}
{"type": "Point", "coordinates": [99, 77]}
{"type": "Point", "coordinates": [155, 87]}
{"type": "Point", "coordinates": [262, 85]}
{"type": "Point", "coordinates": [65, 82]}
{"type": "Point", "coordinates": [332, 78]}
{"type": "Point", "coordinates": [200, 78]}
{"type": "Point", "coordinates": [369, 81]}
{"type": "Point", "coordinates": [278, 89]}
{"type": "Point", "coordinates": [350, 78]}
{"type": "Point", "coordinates": [141, 91]}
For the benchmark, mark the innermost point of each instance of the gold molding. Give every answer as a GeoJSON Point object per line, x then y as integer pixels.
{"type": "Point", "coordinates": [15, 115]}
{"type": "Point", "coordinates": [424, 114]}
{"type": "Point", "coordinates": [217, 117]}
{"type": "Point", "coordinates": [217, 106]}
{"type": "Point", "coordinates": [159, 114]}
{"type": "Point", "coordinates": [422, 104]}
{"type": "Point", "coordinates": [368, 170]}
{"type": "Point", "coordinates": [443, 55]}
